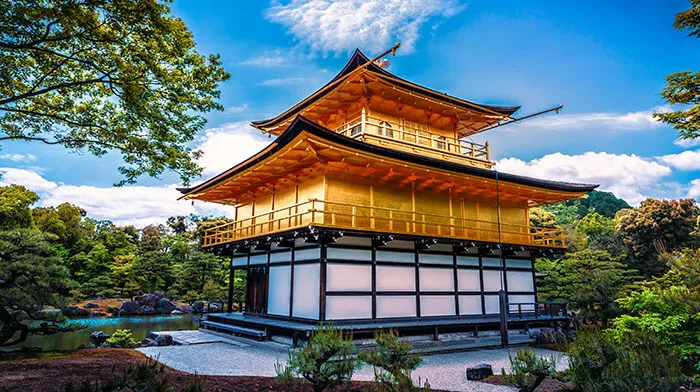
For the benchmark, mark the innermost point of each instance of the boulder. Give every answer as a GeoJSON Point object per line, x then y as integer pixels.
{"type": "Point", "coordinates": [214, 307]}
{"type": "Point", "coordinates": [159, 294]}
{"type": "Point", "coordinates": [74, 311]}
{"type": "Point", "coordinates": [479, 372]}
{"type": "Point", "coordinates": [164, 306]}
{"type": "Point", "coordinates": [184, 309]}
{"type": "Point", "coordinates": [148, 300]}
{"type": "Point", "coordinates": [176, 312]}
{"type": "Point", "coordinates": [129, 308]}
{"type": "Point", "coordinates": [98, 338]}
{"type": "Point", "coordinates": [164, 340]}
{"type": "Point", "coordinates": [96, 314]}
{"type": "Point", "coordinates": [91, 305]}
{"type": "Point", "coordinates": [198, 307]}
{"type": "Point", "coordinates": [146, 310]}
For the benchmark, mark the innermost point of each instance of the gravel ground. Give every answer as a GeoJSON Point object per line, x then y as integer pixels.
{"type": "Point", "coordinates": [442, 371]}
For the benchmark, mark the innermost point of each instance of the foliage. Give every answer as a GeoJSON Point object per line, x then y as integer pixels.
{"type": "Point", "coordinates": [528, 370]}
{"type": "Point", "coordinates": [683, 88]}
{"type": "Point", "coordinates": [121, 338]}
{"type": "Point", "coordinates": [603, 203]}
{"type": "Point", "coordinates": [657, 227]}
{"type": "Point", "coordinates": [590, 280]}
{"type": "Point", "coordinates": [668, 307]}
{"type": "Point", "coordinates": [392, 361]}
{"type": "Point", "coordinates": [324, 361]}
{"type": "Point", "coordinates": [600, 363]}
{"type": "Point", "coordinates": [106, 75]}
{"type": "Point", "coordinates": [15, 212]}
{"type": "Point", "coordinates": [31, 277]}
{"type": "Point", "coordinates": [541, 218]}
{"type": "Point", "coordinates": [597, 232]}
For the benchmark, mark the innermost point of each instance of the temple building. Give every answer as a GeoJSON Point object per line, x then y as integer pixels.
{"type": "Point", "coordinates": [371, 209]}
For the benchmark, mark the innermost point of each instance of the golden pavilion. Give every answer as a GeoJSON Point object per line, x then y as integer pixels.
{"type": "Point", "coordinates": [370, 209]}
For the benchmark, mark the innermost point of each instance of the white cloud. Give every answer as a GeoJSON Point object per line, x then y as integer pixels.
{"type": "Point", "coordinates": [227, 145]}
{"type": "Point", "coordinates": [694, 190]}
{"type": "Point", "coordinates": [374, 25]}
{"type": "Point", "coordinates": [28, 178]}
{"type": "Point", "coordinates": [641, 120]}
{"type": "Point", "coordinates": [279, 82]}
{"type": "Point", "coordinates": [19, 157]}
{"type": "Point", "coordinates": [627, 176]}
{"type": "Point", "coordinates": [269, 59]}
{"type": "Point", "coordinates": [687, 143]}
{"type": "Point", "coordinates": [687, 160]}
{"type": "Point", "coordinates": [237, 109]}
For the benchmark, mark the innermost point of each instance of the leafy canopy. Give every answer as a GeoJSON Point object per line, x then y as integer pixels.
{"type": "Point", "coordinates": [106, 75]}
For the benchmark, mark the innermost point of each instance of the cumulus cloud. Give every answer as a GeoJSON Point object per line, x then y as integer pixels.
{"type": "Point", "coordinates": [627, 176]}
{"type": "Point", "coordinates": [227, 145]}
{"type": "Point", "coordinates": [694, 190]}
{"type": "Point", "coordinates": [687, 143]}
{"type": "Point", "coordinates": [341, 25]}
{"type": "Point", "coordinates": [18, 157]}
{"type": "Point", "coordinates": [134, 205]}
{"type": "Point", "coordinates": [687, 160]}
{"type": "Point", "coordinates": [640, 120]}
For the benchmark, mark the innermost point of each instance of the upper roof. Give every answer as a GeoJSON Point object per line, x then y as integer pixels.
{"type": "Point", "coordinates": [302, 124]}
{"type": "Point", "coordinates": [357, 60]}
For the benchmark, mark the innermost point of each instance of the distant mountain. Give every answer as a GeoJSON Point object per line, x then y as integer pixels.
{"type": "Point", "coordinates": [604, 203]}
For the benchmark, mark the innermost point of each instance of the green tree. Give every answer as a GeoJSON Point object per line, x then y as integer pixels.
{"type": "Point", "coordinates": [15, 212]}
{"type": "Point", "coordinates": [66, 221]}
{"type": "Point", "coordinates": [604, 203]}
{"type": "Point", "coordinates": [123, 275]}
{"type": "Point", "coordinates": [393, 362]}
{"type": "Point", "coordinates": [106, 75]}
{"type": "Point", "coordinates": [657, 227]}
{"type": "Point", "coordinates": [590, 280]}
{"type": "Point", "coordinates": [541, 218]}
{"type": "Point", "coordinates": [599, 233]}
{"type": "Point", "coordinates": [154, 268]}
{"type": "Point", "coordinates": [31, 277]}
{"type": "Point", "coordinates": [683, 88]}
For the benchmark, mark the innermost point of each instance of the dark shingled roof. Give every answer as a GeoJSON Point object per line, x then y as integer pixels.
{"type": "Point", "coordinates": [301, 123]}
{"type": "Point", "coordinates": [358, 58]}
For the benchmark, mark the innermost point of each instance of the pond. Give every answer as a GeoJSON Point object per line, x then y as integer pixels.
{"type": "Point", "coordinates": [140, 326]}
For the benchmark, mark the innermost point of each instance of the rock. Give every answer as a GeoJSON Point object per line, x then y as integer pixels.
{"type": "Point", "coordinates": [96, 314]}
{"type": "Point", "coordinates": [91, 305]}
{"type": "Point", "coordinates": [74, 311]}
{"type": "Point", "coordinates": [164, 340]}
{"type": "Point", "coordinates": [214, 307]}
{"type": "Point", "coordinates": [479, 372]}
{"type": "Point", "coordinates": [146, 310]}
{"type": "Point", "coordinates": [198, 307]}
{"type": "Point", "coordinates": [176, 312]}
{"type": "Point", "coordinates": [184, 309]}
{"type": "Point", "coordinates": [129, 308]}
{"type": "Point", "coordinates": [159, 294]}
{"type": "Point", "coordinates": [98, 338]}
{"type": "Point", "coordinates": [148, 300]}
{"type": "Point", "coordinates": [164, 306]}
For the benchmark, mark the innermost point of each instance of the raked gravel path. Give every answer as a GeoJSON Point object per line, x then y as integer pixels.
{"type": "Point", "coordinates": [443, 371]}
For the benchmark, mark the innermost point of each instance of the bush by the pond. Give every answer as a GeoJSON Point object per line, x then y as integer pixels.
{"type": "Point", "coordinates": [639, 362]}
{"type": "Point", "coordinates": [324, 361]}
{"type": "Point", "coordinates": [121, 338]}
{"type": "Point", "coordinates": [393, 363]}
{"type": "Point", "coordinates": [528, 370]}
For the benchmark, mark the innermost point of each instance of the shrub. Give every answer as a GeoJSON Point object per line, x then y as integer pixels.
{"type": "Point", "coordinates": [638, 362]}
{"type": "Point", "coordinates": [528, 370]}
{"type": "Point", "coordinates": [324, 361]}
{"type": "Point", "coordinates": [113, 309]}
{"type": "Point", "coordinates": [393, 362]}
{"type": "Point", "coordinates": [121, 338]}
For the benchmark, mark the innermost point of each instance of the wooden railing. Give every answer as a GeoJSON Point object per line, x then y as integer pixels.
{"type": "Point", "coordinates": [538, 310]}
{"type": "Point", "coordinates": [350, 216]}
{"type": "Point", "coordinates": [414, 137]}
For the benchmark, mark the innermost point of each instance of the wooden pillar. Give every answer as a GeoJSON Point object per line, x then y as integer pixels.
{"type": "Point", "coordinates": [503, 306]}
{"type": "Point", "coordinates": [229, 304]}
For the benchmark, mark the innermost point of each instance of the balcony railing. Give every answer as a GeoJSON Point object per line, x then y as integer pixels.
{"type": "Point", "coordinates": [349, 216]}
{"type": "Point", "coordinates": [414, 137]}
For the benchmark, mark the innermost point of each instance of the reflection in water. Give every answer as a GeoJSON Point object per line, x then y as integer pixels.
{"type": "Point", "coordinates": [140, 326]}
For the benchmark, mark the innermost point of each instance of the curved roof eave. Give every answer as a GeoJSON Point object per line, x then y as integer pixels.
{"type": "Point", "coordinates": [358, 58]}
{"type": "Point", "coordinates": [301, 123]}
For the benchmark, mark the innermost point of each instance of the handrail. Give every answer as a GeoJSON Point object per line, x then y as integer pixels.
{"type": "Point", "coordinates": [344, 215]}
{"type": "Point", "coordinates": [414, 137]}
{"type": "Point", "coordinates": [539, 309]}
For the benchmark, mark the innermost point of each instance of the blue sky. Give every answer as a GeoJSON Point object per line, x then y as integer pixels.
{"type": "Point", "coordinates": [605, 61]}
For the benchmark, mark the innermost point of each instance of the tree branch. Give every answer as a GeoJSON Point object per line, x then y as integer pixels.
{"type": "Point", "coordinates": [29, 94]}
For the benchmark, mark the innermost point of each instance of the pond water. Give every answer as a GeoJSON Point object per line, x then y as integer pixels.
{"type": "Point", "coordinates": [140, 326]}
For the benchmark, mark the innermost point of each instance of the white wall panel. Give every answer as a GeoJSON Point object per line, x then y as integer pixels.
{"type": "Point", "coordinates": [430, 258]}
{"type": "Point", "coordinates": [349, 254]}
{"type": "Point", "coordinates": [520, 281]}
{"type": "Point", "coordinates": [279, 257]}
{"type": "Point", "coordinates": [521, 299]}
{"type": "Point", "coordinates": [396, 306]}
{"type": "Point", "coordinates": [491, 304]}
{"type": "Point", "coordinates": [306, 290]}
{"type": "Point", "coordinates": [469, 304]}
{"type": "Point", "coordinates": [345, 307]}
{"type": "Point", "coordinates": [400, 244]}
{"type": "Point", "coordinates": [391, 278]}
{"type": "Point", "coordinates": [436, 279]}
{"type": "Point", "coordinates": [307, 254]}
{"type": "Point", "coordinates": [400, 257]}
{"type": "Point", "coordinates": [278, 291]}
{"type": "Point", "coordinates": [468, 260]}
{"type": "Point", "coordinates": [518, 263]}
{"type": "Point", "coordinates": [240, 261]}
{"type": "Point", "coordinates": [490, 262]}
{"type": "Point", "coordinates": [344, 277]}
{"type": "Point", "coordinates": [492, 280]}
{"type": "Point", "coordinates": [258, 258]}
{"type": "Point", "coordinates": [437, 305]}
{"type": "Point", "coordinates": [468, 280]}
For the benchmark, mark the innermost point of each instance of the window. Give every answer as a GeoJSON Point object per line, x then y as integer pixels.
{"type": "Point", "coordinates": [356, 130]}
{"type": "Point", "coordinates": [440, 142]}
{"type": "Point", "coordinates": [384, 129]}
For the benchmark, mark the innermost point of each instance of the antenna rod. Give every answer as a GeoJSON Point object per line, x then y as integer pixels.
{"type": "Point", "coordinates": [514, 120]}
